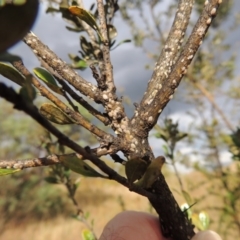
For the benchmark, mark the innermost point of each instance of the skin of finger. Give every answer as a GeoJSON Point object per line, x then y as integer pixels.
{"type": "Point", "coordinates": [207, 235]}
{"type": "Point", "coordinates": [131, 225]}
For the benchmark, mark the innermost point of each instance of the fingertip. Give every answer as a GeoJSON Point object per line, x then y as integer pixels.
{"type": "Point", "coordinates": [207, 235]}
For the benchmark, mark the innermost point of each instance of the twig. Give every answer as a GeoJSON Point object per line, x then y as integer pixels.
{"type": "Point", "coordinates": [108, 69]}
{"type": "Point", "coordinates": [100, 79]}
{"type": "Point", "coordinates": [158, 84]}
{"type": "Point", "coordinates": [88, 29]}
{"type": "Point", "coordinates": [21, 104]}
{"type": "Point", "coordinates": [188, 52]}
{"type": "Point", "coordinates": [117, 159]}
{"type": "Point", "coordinates": [167, 75]}
{"type": "Point", "coordinates": [112, 105]}
{"type": "Point", "coordinates": [30, 163]}
{"type": "Point", "coordinates": [177, 175]}
{"type": "Point", "coordinates": [74, 107]}
{"type": "Point", "coordinates": [54, 159]}
{"type": "Point", "coordinates": [76, 97]}
{"type": "Point", "coordinates": [210, 98]}
{"type": "Point", "coordinates": [79, 119]}
{"type": "Point", "coordinates": [44, 53]}
{"type": "Point", "coordinates": [157, 25]}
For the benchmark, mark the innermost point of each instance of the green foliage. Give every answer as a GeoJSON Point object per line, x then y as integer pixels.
{"type": "Point", "coordinates": [16, 138]}
{"type": "Point", "coordinates": [170, 134]}
{"type": "Point", "coordinates": [134, 169]}
{"type": "Point", "coordinates": [78, 165]}
{"type": "Point", "coordinates": [90, 48]}
{"type": "Point", "coordinates": [223, 182]}
{"type": "Point", "coordinates": [27, 91]}
{"type": "Point", "coordinates": [87, 235]}
{"type": "Point", "coordinates": [86, 17]}
{"type": "Point", "coordinates": [47, 78]}
{"type": "Point", "coordinates": [14, 2]}
{"type": "Point", "coordinates": [152, 173]}
{"type": "Point", "coordinates": [7, 171]}
{"type": "Point", "coordinates": [201, 221]}
{"type": "Point", "coordinates": [235, 146]}
{"type": "Point", "coordinates": [11, 73]}
{"type": "Point", "coordinates": [24, 195]}
{"type": "Point", "coordinates": [77, 62]}
{"type": "Point", "coordinates": [8, 57]}
{"type": "Point", "coordinates": [54, 114]}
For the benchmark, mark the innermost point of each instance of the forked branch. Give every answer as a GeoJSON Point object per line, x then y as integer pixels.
{"type": "Point", "coordinates": [168, 74]}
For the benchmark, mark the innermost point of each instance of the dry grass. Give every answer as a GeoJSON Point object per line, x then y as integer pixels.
{"type": "Point", "coordinates": [103, 200]}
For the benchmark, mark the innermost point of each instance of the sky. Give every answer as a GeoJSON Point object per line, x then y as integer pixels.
{"type": "Point", "coordinates": [129, 62]}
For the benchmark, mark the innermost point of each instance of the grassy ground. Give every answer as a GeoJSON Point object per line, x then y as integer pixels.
{"type": "Point", "coordinates": [102, 199]}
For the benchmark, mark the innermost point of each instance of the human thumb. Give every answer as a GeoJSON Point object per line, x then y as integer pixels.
{"type": "Point", "coordinates": [207, 235]}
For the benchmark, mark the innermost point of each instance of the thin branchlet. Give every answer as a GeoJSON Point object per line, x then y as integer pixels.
{"type": "Point", "coordinates": [29, 163]}
{"type": "Point", "coordinates": [43, 52]}
{"type": "Point", "coordinates": [170, 69]}
{"type": "Point", "coordinates": [78, 118]}
{"type": "Point", "coordinates": [77, 97]}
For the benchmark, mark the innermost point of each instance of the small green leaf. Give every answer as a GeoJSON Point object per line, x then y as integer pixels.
{"type": "Point", "coordinates": [19, 2]}
{"type": "Point", "coordinates": [86, 17]}
{"type": "Point", "coordinates": [11, 73]}
{"type": "Point", "coordinates": [112, 31]}
{"type": "Point", "coordinates": [165, 150]}
{"type": "Point", "coordinates": [86, 46]}
{"type": "Point", "coordinates": [78, 63]}
{"type": "Point", "coordinates": [54, 114]}
{"type": "Point", "coordinates": [74, 29]}
{"type": "Point", "coordinates": [47, 77]}
{"type": "Point", "coordinates": [120, 43]}
{"type": "Point", "coordinates": [204, 219]}
{"type": "Point", "coordinates": [27, 90]}
{"type": "Point", "coordinates": [8, 57]}
{"type": "Point", "coordinates": [78, 165]}
{"type": "Point", "coordinates": [14, 2]}
{"type": "Point", "coordinates": [52, 10]}
{"type": "Point", "coordinates": [196, 222]}
{"type": "Point", "coordinates": [4, 171]}
{"type": "Point", "coordinates": [77, 183]}
{"type": "Point", "coordinates": [180, 136]}
{"type": "Point", "coordinates": [87, 235]}
{"type": "Point", "coordinates": [44, 75]}
{"type": "Point", "coordinates": [187, 197]}
{"type": "Point", "coordinates": [51, 180]}
{"type": "Point", "coordinates": [134, 169]}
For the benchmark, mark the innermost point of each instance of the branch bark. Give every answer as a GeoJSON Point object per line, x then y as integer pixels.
{"type": "Point", "coordinates": [78, 118]}
{"type": "Point", "coordinates": [30, 163]}
{"type": "Point", "coordinates": [76, 97]}
{"type": "Point", "coordinates": [167, 74]}
{"type": "Point", "coordinates": [44, 53]}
